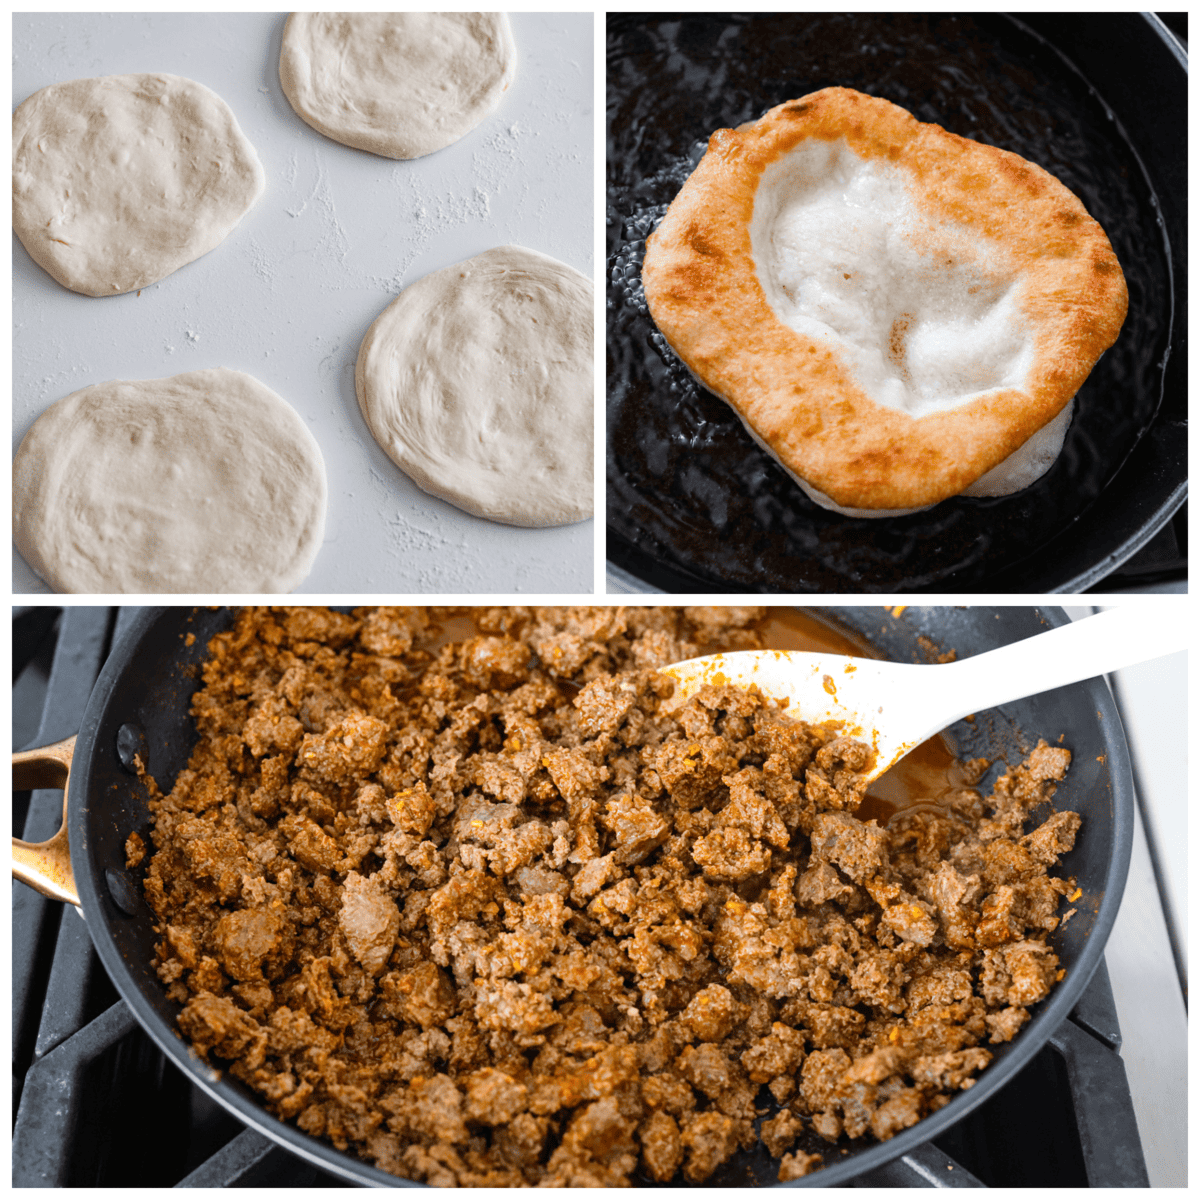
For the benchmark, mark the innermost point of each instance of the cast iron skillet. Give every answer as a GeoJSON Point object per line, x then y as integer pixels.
{"type": "Point", "coordinates": [1100, 100]}
{"type": "Point", "coordinates": [141, 701]}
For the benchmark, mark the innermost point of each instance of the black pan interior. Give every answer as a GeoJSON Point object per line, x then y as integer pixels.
{"type": "Point", "coordinates": [148, 683]}
{"type": "Point", "coordinates": [693, 503]}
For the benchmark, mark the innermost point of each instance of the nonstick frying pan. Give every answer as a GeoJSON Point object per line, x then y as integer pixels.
{"type": "Point", "coordinates": [141, 705]}
{"type": "Point", "coordinates": [1099, 100]}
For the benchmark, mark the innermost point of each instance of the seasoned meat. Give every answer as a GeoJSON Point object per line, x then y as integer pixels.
{"type": "Point", "coordinates": [859, 850]}
{"type": "Point", "coordinates": [252, 942]}
{"type": "Point", "coordinates": [483, 914]}
{"type": "Point", "coordinates": [781, 1131]}
{"type": "Point", "coordinates": [710, 1138]}
{"type": "Point", "coordinates": [796, 1166]}
{"type": "Point", "coordinates": [711, 1014]}
{"type": "Point", "coordinates": [662, 1147]}
{"type": "Point", "coordinates": [135, 850]}
{"type": "Point", "coordinates": [421, 995]}
{"type": "Point", "coordinates": [369, 921]}
{"type": "Point", "coordinates": [214, 1023]}
{"type": "Point", "coordinates": [778, 1055]}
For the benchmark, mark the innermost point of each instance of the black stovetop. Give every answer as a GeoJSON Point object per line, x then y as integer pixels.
{"type": "Point", "coordinates": [95, 1103]}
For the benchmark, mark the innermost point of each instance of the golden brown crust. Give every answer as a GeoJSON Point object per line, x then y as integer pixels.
{"type": "Point", "coordinates": [800, 397]}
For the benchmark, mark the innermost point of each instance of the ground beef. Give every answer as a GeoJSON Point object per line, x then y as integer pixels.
{"type": "Point", "coordinates": [485, 915]}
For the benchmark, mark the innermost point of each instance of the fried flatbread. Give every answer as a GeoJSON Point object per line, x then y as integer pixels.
{"type": "Point", "coordinates": [891, 309]}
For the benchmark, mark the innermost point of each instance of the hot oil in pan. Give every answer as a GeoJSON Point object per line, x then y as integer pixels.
{"type": "Point", "coordinates": [924, 776]}
{"type": "Point", "coordinates": [687, 487]}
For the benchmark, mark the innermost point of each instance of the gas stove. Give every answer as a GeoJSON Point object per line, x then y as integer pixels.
{"type": "Point", "coordinates": [96, 1104]}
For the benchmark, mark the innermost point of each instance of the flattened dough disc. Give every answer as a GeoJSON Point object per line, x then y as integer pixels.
{"type": "Point", "coordinates": [121, 180]}
{"type": "Point", "coordinates": [397, 84]}
{"type": "Point", "coordinates": [477, 381]}
{"type": "Point", "coordinates": [203, 482]}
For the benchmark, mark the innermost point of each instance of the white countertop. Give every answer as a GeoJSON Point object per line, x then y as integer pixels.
{"type": "Point", "coordinates": [1146, 980]}
{"type": "Point", "coordinates": [289, 295]}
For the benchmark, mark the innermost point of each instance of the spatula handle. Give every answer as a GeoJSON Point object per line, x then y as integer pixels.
{"type": "Point", "coordinates": [1107, 641]}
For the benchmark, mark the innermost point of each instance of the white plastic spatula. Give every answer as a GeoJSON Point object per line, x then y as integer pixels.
{"type": "Point", "coordinates": [896, 706]}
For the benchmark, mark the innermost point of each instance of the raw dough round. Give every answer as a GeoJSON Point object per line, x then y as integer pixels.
{"type": "Point", "coordinates": [397, 84]}
{"type": "Point", "coordinates": [204, 482]}
{"type": "Point", "coordinates": [477, 380]}
{"type": "Point", "coordinates": [119, 181]}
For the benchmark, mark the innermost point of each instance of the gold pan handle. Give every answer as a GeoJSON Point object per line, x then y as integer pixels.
{"type": "Point", "coordinates": [45, 866]}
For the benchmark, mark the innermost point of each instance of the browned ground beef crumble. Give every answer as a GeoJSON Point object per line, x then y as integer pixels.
{"type": "Point", "coordinates": [485, 916]}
